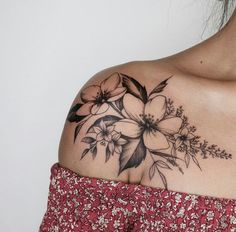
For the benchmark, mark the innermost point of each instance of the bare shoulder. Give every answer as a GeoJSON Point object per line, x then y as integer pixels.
{"type": "Point", "coordinates": [139, 123]}
{"type": "Point", "coordinates": [93, 142]}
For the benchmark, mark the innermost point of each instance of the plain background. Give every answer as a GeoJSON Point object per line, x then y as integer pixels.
{"type": "Point", "coordinates": [48, 50]}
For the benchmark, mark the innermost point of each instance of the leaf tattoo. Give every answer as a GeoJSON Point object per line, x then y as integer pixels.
{"type": "Point", "coordinates": [159, 88]}
{"type": "Point", "coordinates": [133, 87]}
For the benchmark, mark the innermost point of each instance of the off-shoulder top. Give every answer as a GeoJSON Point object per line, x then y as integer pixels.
{"type": "Point", "coordinates": [80, 203]}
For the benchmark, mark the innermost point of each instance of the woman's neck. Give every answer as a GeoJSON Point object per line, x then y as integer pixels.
{"type": "Point", "coordinates": [214, 58]}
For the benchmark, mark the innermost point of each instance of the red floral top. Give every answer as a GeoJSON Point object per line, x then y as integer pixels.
{"type": "Point", "coordinates": [78, 203]}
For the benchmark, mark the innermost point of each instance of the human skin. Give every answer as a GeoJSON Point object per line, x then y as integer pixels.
{"type": "Point", "coordinates": [201, 79]}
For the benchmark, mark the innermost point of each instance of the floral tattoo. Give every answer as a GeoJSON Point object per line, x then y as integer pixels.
{"type": "Point", "coordinates": [139, 124]}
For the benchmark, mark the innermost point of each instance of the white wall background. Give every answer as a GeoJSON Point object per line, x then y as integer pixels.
{"type": "Point", "coordinates": [48, 50]}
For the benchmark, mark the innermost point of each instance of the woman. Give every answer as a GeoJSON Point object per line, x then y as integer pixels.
{"type": "Point", "coordinates": [149, 146]}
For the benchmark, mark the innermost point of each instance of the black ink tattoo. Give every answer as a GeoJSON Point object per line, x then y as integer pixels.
{"type": "Point", "coordinates": [143, 124]}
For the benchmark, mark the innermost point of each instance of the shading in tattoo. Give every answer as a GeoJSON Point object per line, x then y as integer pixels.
{"type": "Point", "coordinates": [133, 124]}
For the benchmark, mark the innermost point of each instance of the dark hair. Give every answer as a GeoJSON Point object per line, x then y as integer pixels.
{"type": "Point", "coordinates": [228, 7]}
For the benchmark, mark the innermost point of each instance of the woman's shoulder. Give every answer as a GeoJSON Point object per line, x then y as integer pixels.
{"type": "Point", "coordinates": [146, 122]}
{"type": "Point", "coordinates": [101, 102]}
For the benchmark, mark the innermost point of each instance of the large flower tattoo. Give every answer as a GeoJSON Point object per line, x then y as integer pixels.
{"type": "Point", "coordinates": [97, 98]}
{"type": "Point", "coordinates": [144, 124]}
{"type": "Point", "coordinates": [148, 121]}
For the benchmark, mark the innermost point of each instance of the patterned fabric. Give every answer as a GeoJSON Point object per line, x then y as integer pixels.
{"type": "Point", "coordinates": [79, 203]}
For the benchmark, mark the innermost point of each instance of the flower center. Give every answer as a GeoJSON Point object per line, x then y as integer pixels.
{"type": "Point", "coordinates": [183, 137]}
{"type": "Point", "coordinates": [102, 97]}
{"type": "Point", "coordinates": [148, 122]}
{"type": "Point", "coordinates": [105, 133]}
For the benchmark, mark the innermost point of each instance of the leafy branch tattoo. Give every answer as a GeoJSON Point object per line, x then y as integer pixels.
{"type": "Point", "coordinates": [142, 124]}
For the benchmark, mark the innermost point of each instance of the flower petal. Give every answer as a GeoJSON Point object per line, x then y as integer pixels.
{"type": "Point", "coordinates": [116, 94]}
{"type": "Point", "coordinates": [170, 125]}
{"type": "Point", "coordinates": [184, 131]}
{"type": "Point", "coordinates": [100, 137]}
{"type": "Point", "coordinates": [97, 129]}
{"type": "Point", "coordinates": [111, 147]}
{"type": "Point", "coordinates": [102, 125]}
{"type": "Point", "coordinates": [99, 109]}
{"type": "Point", "coordinates": [156, 107]}
{"type": "Point", "coordinates": [176, 136]}
{"type": "Point", "coordinates": [178, 142]}
{"type": "Point", "coordinates": [124, 113]}
{"type": "Point", "coordinates": [128, 128]}
{"type": "Point", "coordinates": [118, 149]}
{"type": "Point", "coordinates": [110, 83]}
{"type": "Point", "coordinates": [85, 109]}
{"type": "Point", "coordinates": [110, 129]}
{"type": "Point", "coordinates": [115, 135]}
{"type": "Point", "coordinates": [121, 142]}
{"type": "Point", "coordinates": [95, 108]}
{"type": "Point", "coordinates": [190, 136]}
{"type": "Point", "coordinates": [133, 106]}
{"type": "Point", "coordinates": [108, 137]}
{"type": "Point", "coordinates": [187, 143]}
{"type": "Point", "coordinates": [90, 93]}
{"type": "Point", "coordinates": [155, 140]}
